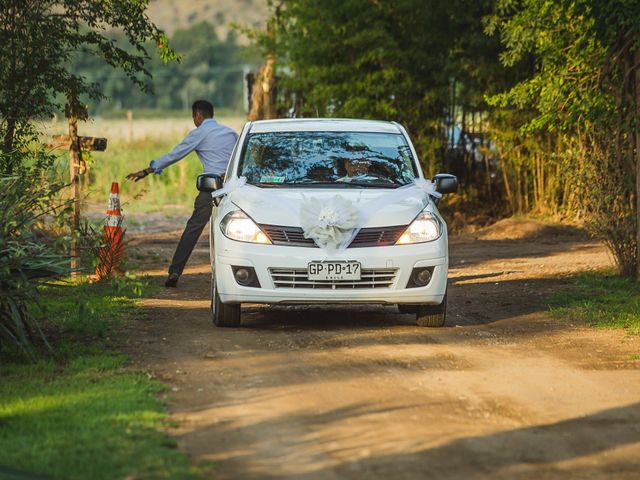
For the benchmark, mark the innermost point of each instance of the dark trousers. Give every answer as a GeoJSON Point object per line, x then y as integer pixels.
{"type": "Point", "coordinates": [201, 214]}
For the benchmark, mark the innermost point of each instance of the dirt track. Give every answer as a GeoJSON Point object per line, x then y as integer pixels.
{"type": "Point", "coordinates": [503, 391]}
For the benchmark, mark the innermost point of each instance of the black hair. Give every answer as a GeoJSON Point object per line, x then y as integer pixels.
{"type": "Point", "coordinates": [204, 107]}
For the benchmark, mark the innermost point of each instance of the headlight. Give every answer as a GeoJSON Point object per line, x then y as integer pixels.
{"type": "Point", "coordinates": [238, 226]}
{"type": "Point", "coordinates": [425, 228]}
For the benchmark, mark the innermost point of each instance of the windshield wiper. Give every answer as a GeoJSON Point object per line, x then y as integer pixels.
{"type": "Point", "coordinates": [326, 184]}
{"type": "Point", "coordinates": [268, 185]}
{"type": "Point", "coordinates": [311, 184]}
{"type": "Point", "coordinates": [371, 184]}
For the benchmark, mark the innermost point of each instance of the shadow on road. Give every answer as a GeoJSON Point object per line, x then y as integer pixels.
{"type": "Point", "coordinates": [561, 450]}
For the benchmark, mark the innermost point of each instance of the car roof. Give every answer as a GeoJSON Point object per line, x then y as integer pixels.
{"type": "Point", "coordinates": [323, 125]}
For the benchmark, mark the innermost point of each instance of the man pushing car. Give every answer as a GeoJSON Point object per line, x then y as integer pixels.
{"type": "Point", "coordinates": [213, 143]}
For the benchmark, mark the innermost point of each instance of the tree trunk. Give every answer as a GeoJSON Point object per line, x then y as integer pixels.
{"type": "Point", "coordinates": [452, 113]}
{"type": "Point", "coordinates": [637, 155]}
{"type": "Point", "coordinates": [74, 173]}
{"type": "Point", "coordinates": [9, 135]}
{"type": "Point", "coordinates": [264, 95]}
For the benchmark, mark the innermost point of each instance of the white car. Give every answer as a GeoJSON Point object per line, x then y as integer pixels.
{"type": "Point", "coordinates": [327, 211]}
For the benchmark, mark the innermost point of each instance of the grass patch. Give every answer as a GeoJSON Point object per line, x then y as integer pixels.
{"type": "Point", "coordinates": [84, 315]}
{"type": "Point", "coordinates": [601, 299]}
{"type": "Point", "coordinates": [79, 413]}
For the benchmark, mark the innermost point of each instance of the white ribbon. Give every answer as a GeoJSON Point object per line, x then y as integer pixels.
{"type": "Point", "coordinates": [230, 186]}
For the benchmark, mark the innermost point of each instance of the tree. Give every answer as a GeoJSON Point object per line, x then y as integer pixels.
{"type": "Point", "coordinates": [586, 84]}
{"type": "Point", "coordinates": [39, 38]}
{"type": "Point", "coordinates": [209, 68]}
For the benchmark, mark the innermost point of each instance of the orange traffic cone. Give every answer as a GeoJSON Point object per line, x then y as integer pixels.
{"type": "Point", "coordinates": [112, 251]}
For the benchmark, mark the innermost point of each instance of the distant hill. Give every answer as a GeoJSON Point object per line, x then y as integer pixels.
{"type": "Point", "coordinates": [170, 15]}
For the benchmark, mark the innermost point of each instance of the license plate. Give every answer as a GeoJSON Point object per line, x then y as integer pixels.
{"type": "Point", "coordinates": [334, 271]}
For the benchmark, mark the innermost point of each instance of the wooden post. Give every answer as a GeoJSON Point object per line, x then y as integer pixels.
{"type": "Point", "coordinates": [130, 126]}
{"type": "Point", "coordinates": [637, 101]}
{"type": "Point", "coordinates": [74, 170]}
{"type": "Point", "coordinates": [74, 111]}
{"type": "Point", "coordinates": [86, 181]}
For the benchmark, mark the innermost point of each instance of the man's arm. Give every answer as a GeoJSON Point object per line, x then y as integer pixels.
{"type": "Point", "coordinates": [178, 152]}
{"type": "Point", "coordinates": [184, 148]}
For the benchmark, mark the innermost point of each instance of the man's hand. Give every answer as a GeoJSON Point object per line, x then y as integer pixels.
{"type": "Point", "coordinates": [136, 176]}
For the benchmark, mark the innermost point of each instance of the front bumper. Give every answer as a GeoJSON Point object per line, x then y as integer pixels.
{"type": "Point", "coordinates": [265, 259]}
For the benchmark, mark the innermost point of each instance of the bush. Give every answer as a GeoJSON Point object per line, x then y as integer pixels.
{"type": "Point", "coordinates": [28, 256]}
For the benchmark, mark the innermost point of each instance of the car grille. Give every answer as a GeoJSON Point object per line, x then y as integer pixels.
{"type": "Point", "coordinates": [366, 237]}
{"type": "Point", "coordinates": [298, 278]}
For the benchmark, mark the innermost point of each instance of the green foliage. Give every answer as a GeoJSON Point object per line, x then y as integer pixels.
{"type": "Point", "coordinates": [601, 299]}
{"type": "Point", "coordinates": [385, 60]}
{"type": "Point", "coordinates": [584, 85]}
{"type": "Point", "coordinates": [564, 88]}
{"type": "Point", "coordinates": [27, 260]}
{"type": "Point", "coordinates": [209, 68]}
{"type": "Point", "coordinates": [39, 39]}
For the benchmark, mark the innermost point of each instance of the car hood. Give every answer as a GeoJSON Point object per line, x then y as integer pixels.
{"type": "Point", "coordinates": [282, 206]}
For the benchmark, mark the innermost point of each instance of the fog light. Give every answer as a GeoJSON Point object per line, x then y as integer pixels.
{"type": "Point", "coordinates": [420, 277]}
{"type": "Point", "coordinates": [423, 277]}
{"type": "Point", "coordinates": [245, 276]}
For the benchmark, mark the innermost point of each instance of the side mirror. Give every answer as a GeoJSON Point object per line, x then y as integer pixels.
{"type": "Point", "coordinates": [209, 182]}
{"type": "Point", "coordinates": [446, 183]}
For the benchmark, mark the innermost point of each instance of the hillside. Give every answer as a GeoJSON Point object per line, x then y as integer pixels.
{"type": "Point", "coordinates": [174, 14]}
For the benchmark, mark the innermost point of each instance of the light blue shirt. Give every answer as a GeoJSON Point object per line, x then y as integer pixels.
{"type": "Point", "coordinates": [212, 142]}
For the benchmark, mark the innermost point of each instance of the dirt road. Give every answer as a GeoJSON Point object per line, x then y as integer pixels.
{"type": "Point", "coordinates": [503, 391]}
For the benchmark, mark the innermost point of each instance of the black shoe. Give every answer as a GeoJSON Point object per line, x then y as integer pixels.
{"type": "Point", "coordinates": [172, 281]}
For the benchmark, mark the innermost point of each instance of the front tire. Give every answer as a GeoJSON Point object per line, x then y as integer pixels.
{"type": "Point", "coordinates": [223, 314]}
{"type": "Point", "coordinates": [432, 315]}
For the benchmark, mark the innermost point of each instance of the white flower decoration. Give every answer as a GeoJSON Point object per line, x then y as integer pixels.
{"type": "Point", "coordinates": [330, 223]}
{"type": "Point", "coordinates": [328, 217]}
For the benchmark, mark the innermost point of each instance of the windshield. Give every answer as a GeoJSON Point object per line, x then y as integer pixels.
{"type": "Point", "coordinates": [338, 159]}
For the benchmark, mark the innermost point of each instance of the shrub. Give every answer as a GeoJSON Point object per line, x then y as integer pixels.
{"type": "Point", "coordinates": [28, 256]}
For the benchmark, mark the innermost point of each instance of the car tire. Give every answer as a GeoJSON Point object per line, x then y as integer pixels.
{"type": "Point", "coordinates": [432, 315]}
{"type": "Point", "coordinates": [223, 314]}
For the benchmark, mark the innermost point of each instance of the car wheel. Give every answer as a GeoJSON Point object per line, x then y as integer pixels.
{"type": "Point", "coordinates": [432, 315]}
{"type": "Point", "coordinates": [223, 314]}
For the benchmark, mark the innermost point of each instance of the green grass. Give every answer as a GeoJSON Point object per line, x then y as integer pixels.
{"type": "Point", "coordinates": [80, 413]}
{"type": "Point", "coordinates": [73, 312]}
{"type": "Point", "coordinates": [601, 299]}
